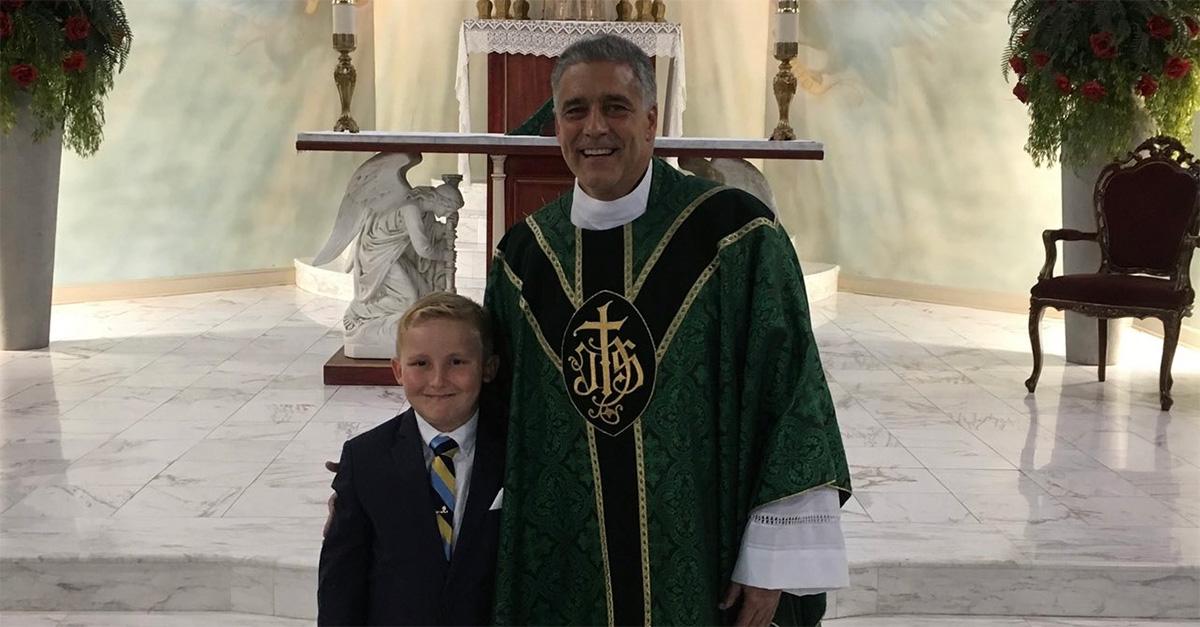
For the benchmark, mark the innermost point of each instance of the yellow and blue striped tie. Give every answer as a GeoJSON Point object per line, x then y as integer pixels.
{"type": "Point", "coordinates": [441, 477]}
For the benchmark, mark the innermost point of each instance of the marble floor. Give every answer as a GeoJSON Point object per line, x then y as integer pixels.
{"type": "Point", "coordinates": [1008, 621]}
{"type": "Point", "coordinates": [192, 429]}
{"type": "Point", "coordinates": [204, 619]}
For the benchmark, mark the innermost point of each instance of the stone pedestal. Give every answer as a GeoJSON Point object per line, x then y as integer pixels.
{"type": "Point", "coordinates": [29, 174]}
{"type": "Point", "coordinates": [1078, 212]}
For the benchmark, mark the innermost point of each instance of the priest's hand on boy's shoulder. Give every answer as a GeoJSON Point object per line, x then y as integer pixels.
{"type": "Point", "coordinates": [331, 467]}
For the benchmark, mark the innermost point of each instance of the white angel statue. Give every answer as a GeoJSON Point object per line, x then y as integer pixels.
{"type": "Point", "coordinates": [403, 251]}
{"type": "Point", "coordinates": [733, 172]}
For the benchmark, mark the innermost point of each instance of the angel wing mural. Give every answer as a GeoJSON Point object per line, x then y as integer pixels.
{"type": "Point", "coordinates": [854, 41]}
{"type": "Point", "coordinates": [400, 249]}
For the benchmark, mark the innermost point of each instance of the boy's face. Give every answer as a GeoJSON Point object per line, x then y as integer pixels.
{"type": "Point", "coordinates": [442, 367]}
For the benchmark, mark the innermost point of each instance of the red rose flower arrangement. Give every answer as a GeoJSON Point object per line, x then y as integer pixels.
{"type": "Point", "coordinates": [1146, 86]}
{"type": "Point", "coordinates": [1021, 91]}
{"type": "Point", "coordinates": [1160, 27]}
{"type": "Point", "coordinates": [1090, 72]}
{"type": "Point", "coordinates": [1018, 65]}
{"type": "Point", "coordinates": [1102, 45]}
{"type": "Point", "coordinates": [1094, 91]}
{"type": "Point", "coordinates": [74, 62]}
{"type": "Point", "coordinates": [23, 75]}
{"type": "Point", "coordinates": [58, 59]}
{"type": "Point", "coordinates": [77, 28]}
{"type": "Point", "coordinates": [1063, 83]}
{"type": "Point", "coordinates": [1177, 67]}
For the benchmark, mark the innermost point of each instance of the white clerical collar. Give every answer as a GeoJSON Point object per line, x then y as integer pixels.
{"type": "Point", "coordinates": [598, 215]}
{"type": "Point", "coordinates": [464, 435]}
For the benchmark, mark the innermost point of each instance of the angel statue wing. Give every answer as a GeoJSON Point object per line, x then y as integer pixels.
{"type": "Point", "coordinates": [380, 183]}
{"type": "Point", "coordinates": [737, 173]}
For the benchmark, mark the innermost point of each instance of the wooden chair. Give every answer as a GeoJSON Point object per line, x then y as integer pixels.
{"type": "Point", "coordinates": [1147, 216]}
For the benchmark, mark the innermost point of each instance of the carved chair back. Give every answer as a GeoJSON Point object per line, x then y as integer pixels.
{"type": "Point", "coordinates": [1145, 205]}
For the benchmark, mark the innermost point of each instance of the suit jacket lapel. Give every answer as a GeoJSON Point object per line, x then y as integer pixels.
{"type": "Point", "coordinates": [414, 490]}
{"type": "Point", "coordinates": [486, 479]}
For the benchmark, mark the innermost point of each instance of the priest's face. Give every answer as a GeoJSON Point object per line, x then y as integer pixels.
{"type": "Point", "coordinates": [605, 128]}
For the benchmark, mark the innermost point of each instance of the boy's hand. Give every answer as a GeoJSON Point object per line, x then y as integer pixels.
{"type": "Point", "coordinates": [331, 467]}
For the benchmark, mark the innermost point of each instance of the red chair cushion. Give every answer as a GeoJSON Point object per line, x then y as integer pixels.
{"type": "Point", "coordinates": [1121, 290]}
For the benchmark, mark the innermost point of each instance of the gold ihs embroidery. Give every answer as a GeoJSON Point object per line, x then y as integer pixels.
{"type": "Point", "coordinates": [607, 366]}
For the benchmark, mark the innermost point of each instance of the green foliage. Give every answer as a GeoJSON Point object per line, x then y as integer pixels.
{"type": "Point", "coordinates": [1121, 46]}
{"type": "Point", "coordinates": [50, 36]}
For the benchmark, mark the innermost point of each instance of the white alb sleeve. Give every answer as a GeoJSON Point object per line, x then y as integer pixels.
{"type": "Point", "coordinates": [795, 545]}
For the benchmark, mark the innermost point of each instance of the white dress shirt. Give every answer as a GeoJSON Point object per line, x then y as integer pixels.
{"type": "Point", "coordinates": [793, 544]}
{"type": "Point", "coordinates": [463, 461]}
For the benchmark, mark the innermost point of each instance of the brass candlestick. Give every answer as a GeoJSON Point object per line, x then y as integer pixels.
{"type": "Point", "coordinates": [787, 45]}
{"type": "Point", "coordinates": [344, 75]}
{"type": "Point", "coordinates": [625, 11]}
{"type": "Point", "coordinates": [785, 88]}
{"type": "Point", "coordinates": [658, 10]}
{"type": "Point", "coordinates": [643, 11]}
{"type": "Point", "coordinates": [591, 11]}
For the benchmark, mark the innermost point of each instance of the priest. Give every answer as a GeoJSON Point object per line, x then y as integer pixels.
{"type": "Point", "coordinates": [673, 454]}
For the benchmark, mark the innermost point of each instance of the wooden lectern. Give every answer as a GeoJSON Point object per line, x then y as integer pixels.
{"type": "Point", "coordinates": [518, 85]}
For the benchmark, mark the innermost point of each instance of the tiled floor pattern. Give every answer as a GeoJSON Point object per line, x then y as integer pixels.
{"type": "Point", "coordinates": [145, 619]}
{"type": "Point", "coordinates": [197, 424]}
{"type": "Point", "coordinates": [207, 619]}
{"type": "Point", "coordinates": [962, 621]}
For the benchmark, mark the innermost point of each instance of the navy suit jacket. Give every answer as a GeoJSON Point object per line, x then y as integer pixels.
{"type": "Point", "coordinates": [382, 561]}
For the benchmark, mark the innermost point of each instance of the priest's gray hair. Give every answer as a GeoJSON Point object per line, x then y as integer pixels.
{"type": "Point", "coordinates": [612, 49]}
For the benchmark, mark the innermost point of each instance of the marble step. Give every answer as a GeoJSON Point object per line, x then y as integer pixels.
{"type": "Point", "coordinates": [205, 619]}
{"type": "Point", "coordinates": [277, 587]}
{"type": "Point", "coordinates": [138, 584]}
{"type": "Point", "coordinates": [144, 619]}
{"type": "Point", "coordinates": [999, 621]}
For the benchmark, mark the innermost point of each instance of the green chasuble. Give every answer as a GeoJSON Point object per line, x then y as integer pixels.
{"type": "Point", "coordinates": [663, 382]}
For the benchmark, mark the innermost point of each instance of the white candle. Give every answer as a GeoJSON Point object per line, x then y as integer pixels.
{"type": "Point", "coordinates": [343, 19]}
{"type": "Point", "coordinates": [787, 27]}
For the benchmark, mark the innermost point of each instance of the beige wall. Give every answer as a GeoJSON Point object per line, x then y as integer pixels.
{"type": "Point", "coordinates": [924, 181]}
{"type": "Point", "coordinates": [198, 172]}
{"type": "Point", "coordinates": [925, 178]}
{"type": "Point", "coordinates": [416, 47]}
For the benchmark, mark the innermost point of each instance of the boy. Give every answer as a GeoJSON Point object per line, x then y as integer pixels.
{"type": "Point", "coordinates": [412, 538]}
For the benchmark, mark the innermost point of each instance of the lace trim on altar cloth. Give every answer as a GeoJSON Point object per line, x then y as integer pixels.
{"type": "Point", "coordinates": [548, 38]}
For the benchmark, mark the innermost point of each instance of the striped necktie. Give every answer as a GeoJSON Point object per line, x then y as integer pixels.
{"type": "Point", "coordinates": [441, 478]}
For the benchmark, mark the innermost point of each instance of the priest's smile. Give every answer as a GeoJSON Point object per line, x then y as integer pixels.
{"type": "Point", "coordinates": [605, 123]}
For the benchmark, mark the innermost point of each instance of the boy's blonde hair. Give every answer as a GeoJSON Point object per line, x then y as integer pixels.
{"type": "Point", "coordinates": [447, 306]}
